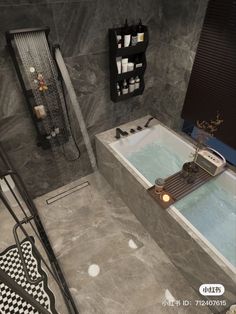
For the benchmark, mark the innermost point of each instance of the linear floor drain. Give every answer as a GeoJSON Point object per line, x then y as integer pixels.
{"type": "Point", "coordinates": [67, 192]}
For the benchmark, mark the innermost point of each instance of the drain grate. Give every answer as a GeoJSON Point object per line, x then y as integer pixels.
{"type": "Point", "coordinates": [177, 187]}
{"type": "Point", "coordinates": [67, 192]}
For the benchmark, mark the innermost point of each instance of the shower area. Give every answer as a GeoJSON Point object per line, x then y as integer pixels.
{"type": "Point", "coordinates": [29, 268]}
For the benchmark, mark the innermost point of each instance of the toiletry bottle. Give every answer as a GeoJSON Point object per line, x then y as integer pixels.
{"type": "Point", "coordinates": [124, 64]}
{"type": "Point", "coordinates": [118, 63]}
{"type": "Point", "coordinates": [118, 89]}
{"type": "Point", "coordinates": [134, 36]}
{"type": "Point", "coordinates": [137, 83]}
{"type": "Point", "coordinates": [119, 41]}
{"type": "Point", "coordinates": [118, 38]}
{"type": "Point", "coordinates": [140, 32]}
{"type": "Point", "coordinates": [131, 85]}
{"type": "Point", "coordinates": [130, 66]}
{"type": "Point", "coordinates": [125, 89]}
{"type": "Point", "coordinates": [127, 34]}
{"type": "Point", "coordinates": [138, 62]}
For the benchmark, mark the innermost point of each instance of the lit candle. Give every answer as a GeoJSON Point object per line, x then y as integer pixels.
{"type": "Point", "coordinates": [165, 197]}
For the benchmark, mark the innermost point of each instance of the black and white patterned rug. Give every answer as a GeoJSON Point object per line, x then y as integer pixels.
{"type": "Point", "coordinates": [12, 303]}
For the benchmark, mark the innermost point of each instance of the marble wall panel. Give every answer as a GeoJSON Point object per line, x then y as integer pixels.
{"type": "Point", "coordinates": [181, 23]}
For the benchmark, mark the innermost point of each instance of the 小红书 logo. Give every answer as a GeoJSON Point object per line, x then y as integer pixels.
{"type": "Point", "coordinates": [212, 289]}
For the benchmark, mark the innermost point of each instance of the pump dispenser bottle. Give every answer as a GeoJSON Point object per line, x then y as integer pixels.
{"type": "Point", "coordinates": [134, 37]}
{"type": "Point", "coordinates": [127, 34]}
{"type": "Point", "coordinates": [140, 32]}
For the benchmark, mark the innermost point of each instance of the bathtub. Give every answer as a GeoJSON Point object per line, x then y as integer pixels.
{"type": "Point", "coordinates": [159, 152]}
{"type": "Point", "coordinates": [131, 165]}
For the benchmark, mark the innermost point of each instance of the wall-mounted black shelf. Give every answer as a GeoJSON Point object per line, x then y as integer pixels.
{"type": "Point", "coordinates": [126, 52]}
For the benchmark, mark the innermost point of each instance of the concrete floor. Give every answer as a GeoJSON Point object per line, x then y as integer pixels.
{"type": "Point", "coordinates": [94, 226]}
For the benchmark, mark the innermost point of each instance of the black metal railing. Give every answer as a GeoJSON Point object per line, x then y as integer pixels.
{"type": "Point", "coordinates": [31, 217]}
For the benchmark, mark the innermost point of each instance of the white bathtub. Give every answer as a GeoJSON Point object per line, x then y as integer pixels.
{"type": "Point", "coordinates": [131, 150]}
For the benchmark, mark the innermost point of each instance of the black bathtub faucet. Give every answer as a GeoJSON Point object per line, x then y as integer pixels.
{"type": "Point", "coordinates": [119, 132]}
{"type": "Point", "coordinates": [148, 121]}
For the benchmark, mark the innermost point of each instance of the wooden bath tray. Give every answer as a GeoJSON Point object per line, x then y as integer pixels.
{"type": "Point", "coordinates": [177, 187]}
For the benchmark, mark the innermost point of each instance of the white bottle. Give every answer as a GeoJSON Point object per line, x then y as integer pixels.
{"type": "Point", "coordinates": [137, 83]}
{"type": "Point", "coordinates": [131, 85]}
{"type": "Point", "coordinates": [118, 62]}
{"type": "Point", "coordinates": [124, 64]}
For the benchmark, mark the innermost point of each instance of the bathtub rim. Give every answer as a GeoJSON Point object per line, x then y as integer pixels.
{"type": "Point", "coordinates": [218, 257]}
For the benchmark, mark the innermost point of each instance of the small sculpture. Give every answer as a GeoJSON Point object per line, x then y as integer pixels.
{"type": "Point", "coordinates": [189, 171]}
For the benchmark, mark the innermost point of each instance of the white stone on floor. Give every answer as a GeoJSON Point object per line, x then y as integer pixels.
{"type": "Point", "coordinates": [93, 270]}
{"type": "Point", "coordinates": [132, 244]}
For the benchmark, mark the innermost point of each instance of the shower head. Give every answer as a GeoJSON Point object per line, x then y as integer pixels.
{"type": "Point", "coordinates": [11, 33]}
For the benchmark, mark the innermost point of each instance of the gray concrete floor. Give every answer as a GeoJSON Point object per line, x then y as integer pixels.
{"type": "Point", "coordinates": [94, 226]}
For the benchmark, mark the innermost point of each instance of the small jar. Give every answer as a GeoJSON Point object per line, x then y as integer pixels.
{"type": "Point", "coordinates": [159, 185]}
{"type": "Point", "coordinates": [186, 169]}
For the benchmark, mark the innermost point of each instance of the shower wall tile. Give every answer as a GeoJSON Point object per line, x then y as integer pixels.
{"type": "Point", "coordinates": [152, 18]}
{"type": "Point", "coordinates": [89, 73]}
{"type": "Point", "coordinates": [144, 13]}
{"type": "Point", "coordinates": [178, 22]}
{"type": "Point", "coordinates": [181, 23]}
{"type": "Point", "coordinates": [82, 27]}
{"type": "Point", "coordinates": [24, 16]}
{"type": "Point", "coordinates": [16, 127]}
{"type": "Point", "coordinates": [73, 26]}
{"type": "Point", "coordinates": [170, 104]}
{"type": "Point", "coordinates": [90, 77]}
{"type": "Point", "coordinates": [43, 170]}
{"type": "Point", "coordinates": [200, 14]}
{"type": "Point", "coordinates": [171, 64]}
{"type": "Point", "coordinates": [100, 113]}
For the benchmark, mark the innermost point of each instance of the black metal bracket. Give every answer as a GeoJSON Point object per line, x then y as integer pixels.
{"type": "Point", "coordinates": [18, 244]}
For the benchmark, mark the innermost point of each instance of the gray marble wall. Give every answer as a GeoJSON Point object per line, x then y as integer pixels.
{"type": "Point", "coordinates": [81, 29]}
{"type": "Point", "coordinates": [180, 26]}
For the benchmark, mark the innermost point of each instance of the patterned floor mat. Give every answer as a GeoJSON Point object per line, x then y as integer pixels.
{"type": "Point", "coordinates": [12, 303]}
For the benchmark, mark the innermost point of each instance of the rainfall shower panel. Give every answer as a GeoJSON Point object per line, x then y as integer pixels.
{"type": "Point", "coordinates": [39, 79]}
